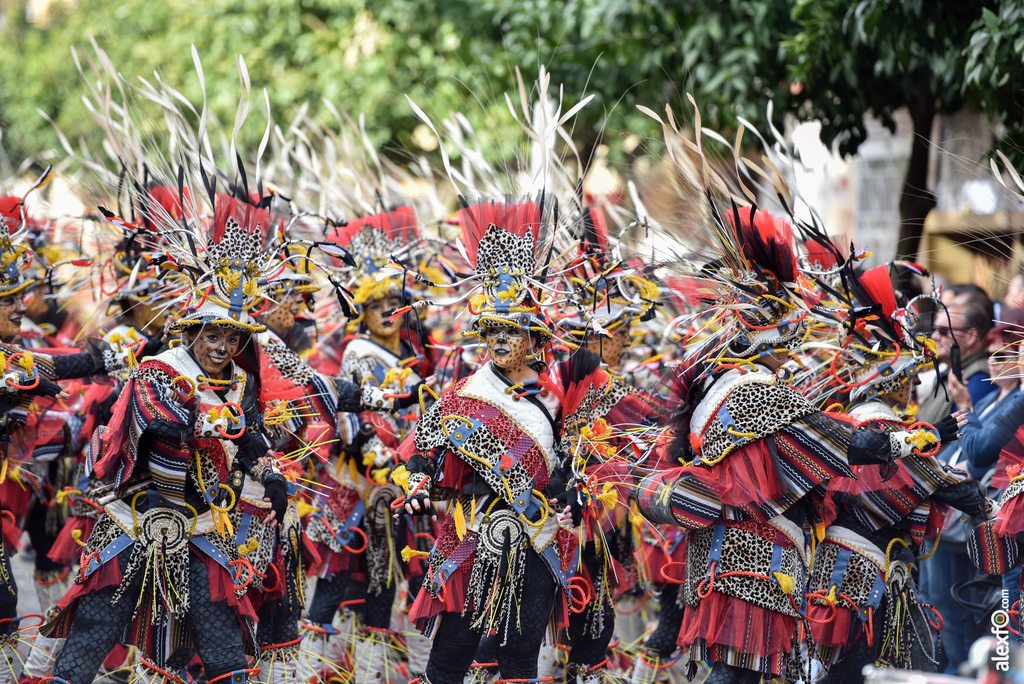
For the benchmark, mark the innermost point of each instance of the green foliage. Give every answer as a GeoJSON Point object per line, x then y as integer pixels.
{"type": "Point", "coordinates": [876, 56]}
{"type": "Point", "coordinates": [994, 71]}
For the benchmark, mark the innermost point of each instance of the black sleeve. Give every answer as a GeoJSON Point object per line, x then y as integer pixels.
{"type": "Point", "coordinates": [70, 366]}
{"type": "Point", "coordinates": [349, 396]}
{"type": "Point", "coordinates": [869, 446]}
{"type": "Point", "coordinates": [168, 430]}
{"type": "Point", "coordinates": [419, 464]}
{"type": "Point", "coordinates": [967, 496]}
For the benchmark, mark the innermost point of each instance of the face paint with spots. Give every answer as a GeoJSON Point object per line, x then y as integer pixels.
{"type": "Point", "coordinates": [281, 316]}
{"type": "Point", "coordinates": [508, 346]}
{"type": "Point", "coordinates": [213, 347]}
{"type": "Point", "coordinates": [12, 309]}
{"type": "Point", "coordinates": [610, 348]}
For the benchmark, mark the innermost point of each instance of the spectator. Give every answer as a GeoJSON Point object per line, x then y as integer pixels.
{"type": "Point", "coordinates": [966, 321]}
{"type": "Point", "coordinates": [980, 443]}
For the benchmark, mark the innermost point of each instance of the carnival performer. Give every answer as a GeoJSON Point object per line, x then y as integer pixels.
{"type": "Point", "coordinates": [610, 297]}
{"type": "Point", "coordinates": [165, 569]}
{"type": "Point", "coordinates": [304, 431]}
{"type": "Point", "coordinates": [35, 434]}
{"type": "Point", "coordinates": [864, 606]}
{"type": "Point", "coordinates": [761, 458]}
{"type": "Point", "coordinates": [352, 525]}
{"type": "Point", "coordinates": [503, 558]}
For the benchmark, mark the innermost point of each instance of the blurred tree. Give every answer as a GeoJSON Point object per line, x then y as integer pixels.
{"type": "Point", "coordinates": [876, 56]}
{"type": "Point", "coordinates": [459, 55]}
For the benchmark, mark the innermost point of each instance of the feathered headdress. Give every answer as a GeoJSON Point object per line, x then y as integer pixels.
{"type": "Point", "coordinates": [606, 294]}
{"type": "Point", "coordinates": [225, 278]}
{"type": "Point", "coordinates": [15, 255]}
{"type": "Point", "coordinates": [374, 242]}
{"type": "Point", "coordinates": [502, 240]}
{"type": "Point", "coordinates": [880, 349]}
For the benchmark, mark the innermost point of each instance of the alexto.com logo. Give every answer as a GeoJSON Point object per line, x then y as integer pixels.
{"type": "Point", "coordinates": [1001, 631]}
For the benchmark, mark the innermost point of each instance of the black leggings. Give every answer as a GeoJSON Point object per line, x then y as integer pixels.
{"type": "Point", "coordinates": [340, 587]}
{"type": "Point", "coordinates": [98, 625]}
{"type": "Point", "coordinates": [8, 592]}
{"type": "Point", "coordinates": [729, 674]}
{"type": "Point", "coordinates": [586, 649]}
{"type": "Point", "coordinates": [456, 642]}
{"type": "Point", "coordinates": [663, 640]}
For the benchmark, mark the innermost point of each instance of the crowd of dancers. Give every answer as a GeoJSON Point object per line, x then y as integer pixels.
{"type": "Point", "coordinates": [275, 421]}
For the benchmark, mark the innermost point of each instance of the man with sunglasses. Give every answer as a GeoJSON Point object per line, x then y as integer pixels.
{"type": "Point", "coordinates": [964, 323]}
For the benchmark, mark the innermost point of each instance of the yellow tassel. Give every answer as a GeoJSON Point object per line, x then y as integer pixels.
{"type": "Point", "coordinates": [608, 496]}
{"type": "Point", "coordinates": [921, 438]}
{"type": "Point", "coordinates": [472, 513]}
{"type": "Point", "coordinates": [368, 458]}
{"type": "Point", "coordinates": [3, 472]}
{"type": "Point", "coordinates": [77, 536]}
{"type": "Point", "coordinates": [832, 594]}
{"type": "Point", "coordinates": [352, 470]}
{"type": "Point", "coordinates": [819, 531]}
{"type": "Point", "coordinates": [460, 520]}
{"type": "Point", "coordinates": [380, 475]}
{"type": "Point", "coordinates": [305, 508]}
{"type": "Point", "coordinates": [785, 581]}
{"type": "Point", "coordinates": [408, 554]}
{"type": "Point", "coordinates": [248, 547]}
{"type": "Point", "coordinates": [400, 476]}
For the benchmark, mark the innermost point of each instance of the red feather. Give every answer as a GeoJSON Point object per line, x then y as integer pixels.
{"type": "Point", "coordinates": [572, 379]}
{"type": "Point", "coordinates": [517, 219]}
{"type": "Point", "coordinates": [878, 286]}
{"type": "Point", "coordinates": [246, 215]}
{"type": "Point", "coordinates": [766, 240]}
{"type": "Point", "coordinates": [10, 208]}
{"type": "Point", "coordinates": [398, 224]}
{"type": "Point", "coordinates": [168, 198]}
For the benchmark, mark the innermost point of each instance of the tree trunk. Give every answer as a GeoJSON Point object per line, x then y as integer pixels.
{"type": "Point", "coordinates": [916, 200]}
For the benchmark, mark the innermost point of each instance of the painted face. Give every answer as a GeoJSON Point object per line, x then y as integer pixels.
{"type": "Point", "coordinates": [213, 347]}
{"type": "Point", "coordinates": [12, 309]}
{"type": "Point", "coordinates": [281, 316]}
{"type": "Point", "coordinates": [507, 345]}
{"type": "Point", "coordinates": [379, 324]}
{"type": "Point", "coordinates": [611, 348]}
{"type": "Point", "coordinates": [35, 302]}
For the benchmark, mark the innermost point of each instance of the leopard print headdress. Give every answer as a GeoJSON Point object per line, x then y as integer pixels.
{"type": "Point", "coordinates": [374, 243]}
{"type": "Point", "coordinates": [226, 289]}
{"type": "Point", "coordinates": [501, 242]}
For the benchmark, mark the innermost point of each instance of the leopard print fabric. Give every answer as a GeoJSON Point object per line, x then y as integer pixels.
{"type": "Point", "coordinates": [757, 409]}
{"type": "Point", "coordinates": [372, 245]}
{"type": "Point", "coordinates": [617, 391]}
{"type": "Point", "coordinates": [499, 248]}
{"type": "Point", "coordinates": [858, 579]}
{"type": "Point", "coordinates": [485, 443]}
{"type": "Point", "coordinates": [744, 550]}
{"type": "Point", "coordinates": [288, 362]}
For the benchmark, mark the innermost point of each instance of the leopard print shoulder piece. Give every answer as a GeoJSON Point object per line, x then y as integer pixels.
{"type": "Point", "coordinates": [749, 411]}
{"type": "Point", "coordinates": [290, 365]}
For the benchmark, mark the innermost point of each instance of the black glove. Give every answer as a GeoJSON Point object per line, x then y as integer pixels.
{"type": "Point", "coordinates": [575, 500]}
{"type": "Point", "coordinates": [153, 345]}
{"type": "Point", "coordinates": [426, 506]}
{"type": "Point", "coordinates": [275, 488]}
{"type": "Point", "coordinates": [948, 429]}
{"type": "Point", "coordinates": [45, 388]}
